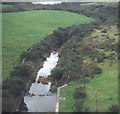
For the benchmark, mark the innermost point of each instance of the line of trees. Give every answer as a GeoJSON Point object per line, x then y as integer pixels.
{"type": "Point", "coordinates": [101, 12]}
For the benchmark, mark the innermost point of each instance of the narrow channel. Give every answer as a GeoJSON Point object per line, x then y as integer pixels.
{"type": "Point", "coordinates": [39, 98]}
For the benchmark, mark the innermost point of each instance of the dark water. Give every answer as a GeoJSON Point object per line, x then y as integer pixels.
{"type": "Point", "coordinates": [39, 98]}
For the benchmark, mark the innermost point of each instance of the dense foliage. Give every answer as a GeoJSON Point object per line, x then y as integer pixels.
{"type": "Point", "coordinates": [80, 93]}
{"type": "Point", "coordinates": [114, 108]}
{"type": "Point", "coordinates": [73, 54]}
{"type": "Point", "coordinates": [12, 88]}
{"type": "Point", "coordinates": [79, 96]}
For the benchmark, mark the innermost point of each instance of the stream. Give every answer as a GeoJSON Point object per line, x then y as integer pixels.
{"type": "Point", "coordinates": [39, 98]}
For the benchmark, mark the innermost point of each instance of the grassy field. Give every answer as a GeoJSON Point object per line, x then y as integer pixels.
{"type": "Point", "coordinates": [22, 29]}
{"type": "Point", "coordinates": [104, 85]}
{"type": "Point", "coordinates": [4, 6]}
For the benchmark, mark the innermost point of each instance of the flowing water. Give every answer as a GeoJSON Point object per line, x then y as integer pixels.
{"type": "Point", "coordinates": [39, 98]}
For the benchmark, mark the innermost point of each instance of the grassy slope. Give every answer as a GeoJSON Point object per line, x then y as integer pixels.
{"type": "Point", "coordinates": [107, 82]}
{"type": "Point", "coordinates": [105, 85]}
{"type": "Point", "coordinates": [21, 30]}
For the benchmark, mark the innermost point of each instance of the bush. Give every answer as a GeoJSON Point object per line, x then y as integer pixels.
{"type": "Point", "coordinates": [6, 93]}
{"type": "Point", "coordinates": [83, 30]}
{"type": "Point", "coordinates": [23, 55]}
{"type": "Point", "coordinates": [97, 70]}
{"type": "Point", "coordinates": [104, 31]}
{"type": "Point", "coordinates": [58, 33]}
{"type": "Point", "coordinates": [113, 108]}
{"type": "Point", "coordinates": [57, 73]}
{"type": "Point", "coordinates": [13, 85]}
{"type": "Point", "coordinates": [60, 36]}
{"type": "Point", "coordinates": [8, 104]}
{"type": "Point", "coordinates": [86, 50]}
{"type": "Point", "coordinates": [11, 89]}
{"type": "Point", "coordinates": [100, 59]}
{"type": "Point", "coordinates": [33, 55]}
{"type": "Point", "coordinates": [16, 72]}
{"type": "Point", "coordinates": [80, 93]}
{"type": "Point", "coordinates": [79, 105]}
{"type": "Point", "coordinates": [26, 70]}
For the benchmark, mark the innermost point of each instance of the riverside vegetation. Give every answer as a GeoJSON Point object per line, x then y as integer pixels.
{"type": "Point", "coordinates": [86, 53]}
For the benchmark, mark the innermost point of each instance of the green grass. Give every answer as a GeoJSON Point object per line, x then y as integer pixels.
{"type": "Point", "coordinates": [22, 29]}
{"type": "Point", "coordinates": [4, 6]}
{"type": "Point", "coordinates": [105, 85]}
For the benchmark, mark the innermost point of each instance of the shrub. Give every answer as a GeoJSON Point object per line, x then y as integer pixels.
{"type": "Point", "coordinates": [100, 59]}
{"type": "Point", "coordinates": [113, 108]}
{"type": "Point", "coordinates": [33, 55]}
{"type": "Point", "coordinates": [60, 36]}
{"type": "Point", "coordinates": [11, 88]}
{"type": "Point", "coordinates": [8, 104]}
{"type": "Point", "coordinates": [87, 109]}
{"type": "Point", "coordinates": [86, 50]}
{"type": "Point", "coordinates": [16, 72]}
{"type": "Point", "coordinates": [13, 85]}
{"type": "Point", "coordinates": [5, 93]}
{"type": "Point", "coordinates": [58, 33]}
{"type": "Point", "coordinates": [26, 70]}
{"type": "Point", "coordinates": [104, 31]}
{"type": "Point", "coordinates": [80, 93]}
{"type": "Point", "coordinates": [97, 70]}
{"type": "Point", "coordinates": [57, 73]}
{"type": "Point", "coordinates": [23, 55]}
{"type": "Point", "coordinates": [79, 105]}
